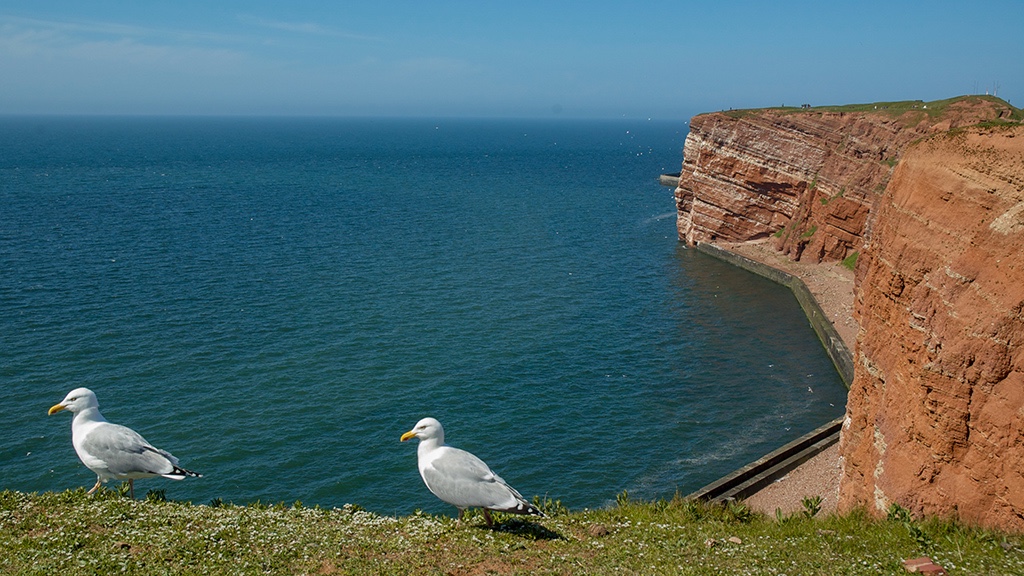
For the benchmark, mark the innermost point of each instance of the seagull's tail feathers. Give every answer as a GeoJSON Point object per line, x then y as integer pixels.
{"type": "Point", "coordinates": [522, 505]}
{"type": "Point", "coordinates": [178, 473]}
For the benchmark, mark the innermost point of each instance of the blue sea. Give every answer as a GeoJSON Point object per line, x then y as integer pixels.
{"type": "Point", "coordinates": [275, 301]}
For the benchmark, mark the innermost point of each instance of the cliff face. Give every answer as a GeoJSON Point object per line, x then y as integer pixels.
{"type": "Point", "coordinates": [805, 178]}
{"type": "Point", "coordinates": [935, 418]}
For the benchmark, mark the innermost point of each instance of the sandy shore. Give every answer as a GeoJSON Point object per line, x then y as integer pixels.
{"type": "Point", "coordinates": [832, 286]}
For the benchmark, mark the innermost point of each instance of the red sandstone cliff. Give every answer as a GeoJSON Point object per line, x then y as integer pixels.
{"type": "Point", "coordinates": [807, 178]}
{"type": "Point", "coordinates": [935, 418]}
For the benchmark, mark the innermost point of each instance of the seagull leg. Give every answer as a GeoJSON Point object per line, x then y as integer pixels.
{"type": "Point", "coordinates": [487, 518]}
{"type": "Point", "coordinates": [459, 521]}
{"type": "Point", "coordinates": [96, 487]}
{"type": "Point", "coordinates": [131, 488]}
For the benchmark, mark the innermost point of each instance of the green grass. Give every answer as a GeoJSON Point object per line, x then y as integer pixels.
{"type": "Point", "coordinates": [933, 109]}
{"type": "Point", "coordinates": [851, 261]}
{"type": "Point", "coordinates": [74, 533]}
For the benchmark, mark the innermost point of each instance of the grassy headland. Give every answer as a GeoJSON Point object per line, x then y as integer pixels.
{"type": "Point", "coordinates": [74, 533]}
{"type": "Point", "coordinates": [919, 108]}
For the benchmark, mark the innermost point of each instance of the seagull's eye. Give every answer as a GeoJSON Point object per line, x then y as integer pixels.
{"type": "Point", "coordinates": [72, 399]}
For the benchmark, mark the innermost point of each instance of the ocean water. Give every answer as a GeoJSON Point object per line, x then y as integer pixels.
{"type": "Point", "coordinates": [276, 301]}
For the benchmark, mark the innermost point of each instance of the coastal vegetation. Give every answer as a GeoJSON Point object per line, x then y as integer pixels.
{"type": "Point", "coordinates": [850, 261]}
{"type": "Point", "coordinates": [933, 109]}
{"type": "Point", "coordinates": [74, 533]}
{"type": "Point", "coordinates": [920, 109]}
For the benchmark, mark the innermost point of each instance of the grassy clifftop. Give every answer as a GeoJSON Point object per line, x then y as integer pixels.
{"type": "Point", "coordinates": [917, 108]}
{"type": "Point", "coordinates": [74, 533]}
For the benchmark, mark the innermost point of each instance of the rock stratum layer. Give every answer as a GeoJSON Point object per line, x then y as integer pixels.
{"type": "Point", "coordinates": [935, 417]}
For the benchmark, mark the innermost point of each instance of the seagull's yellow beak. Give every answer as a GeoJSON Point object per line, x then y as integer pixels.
{"type": "Point", "coordinates": [55, 409]}
{"type": "Point", "coordinates": [406, 436]}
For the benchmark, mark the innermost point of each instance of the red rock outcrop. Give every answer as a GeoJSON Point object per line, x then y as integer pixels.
{"type": "Point", "coordinates": [806, 177]}
{"type": "Point", "coordinates": [935, 417]}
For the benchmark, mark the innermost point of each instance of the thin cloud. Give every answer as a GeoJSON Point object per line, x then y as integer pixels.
{"type": "Point", "coordinates": [109, 40]}
{"type": "Point", "coordinates": [69, 33]}
{"type": "Point", "coordinates": [106, 28]}
{"type": "Point", "coordinates": [306, 28]}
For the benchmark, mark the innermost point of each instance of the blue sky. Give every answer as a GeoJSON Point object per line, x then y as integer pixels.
{"type": "Point", "coordinates": [599, 59]}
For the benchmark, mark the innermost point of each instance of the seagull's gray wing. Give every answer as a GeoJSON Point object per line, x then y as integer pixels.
{"type": "Point", "coordinates": [126, 453]}
{"type": "Point", "coordinates": [463, 480]}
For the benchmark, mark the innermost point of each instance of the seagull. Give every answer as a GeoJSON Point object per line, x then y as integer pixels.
{"type": "Point", "coordinates": [113, 451]}
{"type": "Point", "coordinates": [460, 478]}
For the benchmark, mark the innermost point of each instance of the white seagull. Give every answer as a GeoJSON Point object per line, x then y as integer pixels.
{"type": "Point", "coordinates": [113, 451]}
{"type": "Point", "coordinates": [460, 478]}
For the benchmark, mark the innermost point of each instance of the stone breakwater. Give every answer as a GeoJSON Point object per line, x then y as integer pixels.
{"type": "Point", "coordinates": [935, 418]}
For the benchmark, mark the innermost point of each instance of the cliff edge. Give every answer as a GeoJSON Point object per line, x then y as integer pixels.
{"type": "Point", "coordinates": [930, 197]}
